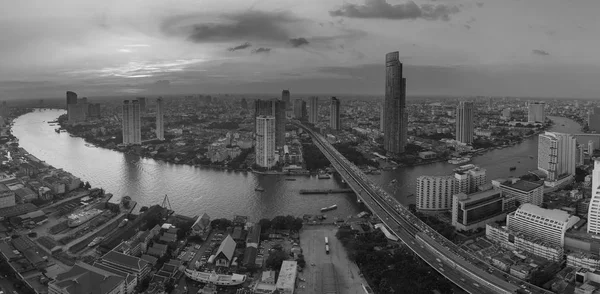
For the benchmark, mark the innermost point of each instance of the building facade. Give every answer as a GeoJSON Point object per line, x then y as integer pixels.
{"type": "Point", "coordinates": [131, 123]}
{"type": "Point", "coordinates": [434, 193]}
{"type": "Point", "coordinates": [469, 180]}
{"type": "Point", "coordinates": [536, 112]}
{"type": "Point", "coordinates": [464, 122]}
{"type": "Point", "coordinates": [275, 108]}
{"type": "Point", "coordinates": [160, 123]}
{"type": "Point", "coordinates": [71, 97]}
{"type": "Point", "coordinates": [594, 209]}
{"type": "Point", "coordinates": [7, 196]}
{"type": "Point", "coordinates": [477, 209]}
{"type": "Point", "coordinates": [548, 225]}
{"type": "Point", "coordinates": [313, 114]}
{"type": "Point", "coordinates": [265, 141]}
{"type": "Point", "coordinates": [334, 114]}
{"type": "Point", "coordinates": [395, 117]}
{"type": "Point", "coordinates": [518, 241]}
{"type": "Point", "coordinates": [557, 155]}
{"type": "Point", "coordinates": [524, 191]}
{"type": "Point", "coordinates": [142, 101]}
{"type": "Point", "coordinates": [300, 109]}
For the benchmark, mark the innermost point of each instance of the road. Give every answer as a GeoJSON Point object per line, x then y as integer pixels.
{"type": "Point", "coordinates": [457, 265]}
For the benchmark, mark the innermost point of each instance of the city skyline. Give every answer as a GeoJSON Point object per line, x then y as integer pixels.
{"type": "Point", "coordinates": [105, 48]}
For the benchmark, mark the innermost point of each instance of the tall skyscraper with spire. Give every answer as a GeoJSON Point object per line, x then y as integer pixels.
{"type": "Point", "coordinates": [334, 114]}
{"type": "Point", "coordinates": [131, 123]}
{"type": "Point", "coordinates": [464, 122]}
{"type": "Point", "coordinates": [160, 124]}
{"type": "Point", "coordinates": [395, 118]}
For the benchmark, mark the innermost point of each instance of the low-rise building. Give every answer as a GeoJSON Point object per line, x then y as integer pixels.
{"type": "Point", "coordinates": [518, 241]}
{"type": "Point", "coordinates": [84, 278]}
{"type": "Point", "coordinates": [224, 255]}
{"type": "Point", "coordinates": [286, 283]}
{"type": "Point", "coordinates": [7, 197]}
{"type": "Point", "coordinates": [583, 260]}
{"type": "Point", "coordinates": [201, 226]}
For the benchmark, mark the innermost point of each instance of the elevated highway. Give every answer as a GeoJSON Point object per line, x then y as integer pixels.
{"type": "Point", "coordinates": [457, 265]}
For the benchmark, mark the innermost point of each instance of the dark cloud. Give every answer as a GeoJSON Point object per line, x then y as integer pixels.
{"type": "Point", "coordinates": [468, 27]}
{"type": "Point", "coordinates": [297, 42]}
{"type": "Point", "coordinates": [250, 25]}
{"type": "Point", "coordinates": [261, 50]}
{"type": "Point", "coordinates": [408, 10]}
{"type": "Point", "coordinates": [479, 4]}
{"type": "Point", "coordinates": [471, 20]}
{"type": "Point", "coordinates": [240, 47]}
{"type": "Point", "coordinates": [539, 52]}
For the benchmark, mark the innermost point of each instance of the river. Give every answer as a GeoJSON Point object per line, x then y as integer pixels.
{"type": "Point", "coordinates": [193, 190]}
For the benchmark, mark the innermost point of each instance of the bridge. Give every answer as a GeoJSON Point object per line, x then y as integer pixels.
{"type": "Point", "coordinates": [457, 265]}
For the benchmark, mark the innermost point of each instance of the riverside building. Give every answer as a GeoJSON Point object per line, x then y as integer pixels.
{"type": "Point", "coordinates": [557, 153]}
{"type": "Point", "coordinates": [548, 225]}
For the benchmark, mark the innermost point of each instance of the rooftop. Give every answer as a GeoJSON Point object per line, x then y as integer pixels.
{"type": "Point", "coordinates": [227, 247]}
{"type": "Point", "coordinates": [554, 214]}
{"type": "Point", "coordinates": [287, 275]}
{"type": "Point", "coordinates": [522, 185]}
{"type": "Point", "coordinates": [84, 278]}
{"type": "Point", "coordinates": [124, 260]}
{"type": "Point", "coordinates": [477, 195]}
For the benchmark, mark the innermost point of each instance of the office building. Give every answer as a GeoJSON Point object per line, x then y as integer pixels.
{"type": "Point", "coordinates": [580, 158]}
{"type": "Point", "coordinates": [464, 122]}
{"type": "Point", "coordinates": [590, 148]}
{"type": "Point", "coordinates": [142, 101]}
{"type": "Point", "coordinates": [334, 114]}
{"type": "Point", "coordinates": [94, 110]}
{"type": "Point", "coordinates": [77, 113]}
{"type": "Point", "coordinates": [84, 278]}
{"type": "Point", "coordinates": [286, 282]}
{"type": "Point", "coordinates": [71, 97]}
{"type": "Point", "coordinates": [7, 196]}
{"type": "Point", "coordinates": [275, 108]}
{"type": "Point", "coordinates": [556, 155]}
{"type": "Point", "coordinates": [131, 123]}
{"type": "Point", "coordinates": [382, 117]}
{"type": "Point", "coordinates": [477, 209]}
{"type": "Point", "coordinates": [512, 241]}
{"type": "Point", "coordinates": [469, 179]}
{"type": "Point", "coordinates": [593, 119]}
{"type": "Point", "coordinates": [523, 191]}
{"type": "Point", "coordinates": [160, 123]}
{"type": "Point", "coordinates": [285, 97]}
{"type": "Point", "coordinates": [548, 225]}
{"type": "Point", "coordinates": [265, 141]}
{"type": "Point", "coordinates": [536, 112]}
{"type": "Point", "coordinates": [434, 193]}
{"type": "Point", "coordinates": [594, 209]}
{"type": "Point", "coordinates": [300, 109]}
{"type": "Point", "coordinates": [313, 115]}
{"type": "Point", "coordinates": [396, 119]}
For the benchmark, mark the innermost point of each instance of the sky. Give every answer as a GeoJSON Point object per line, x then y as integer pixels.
{"type": "Point", "coordinates": [534, 48]}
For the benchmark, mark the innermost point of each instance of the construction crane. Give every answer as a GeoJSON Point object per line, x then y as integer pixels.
{"type": "Point", "coordinates": [166, 204]}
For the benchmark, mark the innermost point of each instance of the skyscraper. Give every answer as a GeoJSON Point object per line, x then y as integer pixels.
{"type": "Point", "coordinates": [590, 147]}
{"type": "Point", "coordinates": [313, 115]}
{"type": "Point", "coordinates": [265, 141]}
{"type": "Point", "coordinates": [594, 209]}
{"type": "Point", "coordinates": [556, 155]}
{"type": "Point", "coordinates": [142, 101]}
{"type": "Point", "coordinates": [71, 97]}
{"type": "Point", "coordinates": [536, 112]}
{"type": "Point", "coordinates": [132, 133]}
{"type": "Point", "coordinates": [299, 109]}
{"type": "Point", "coordinates": [334, 114]}
{"type": "Point", "coordinates": [396, 120]}
{"type": "Point", "coordinates": [160, 124]}
{"type": "Point", "coordinates": [464, 122]}
{"type": "Point", "coordinates": [382, 117]}
{"type": "Point", "coordinates": [285, 97]}
{"type": "Point", "coordinates": [593, 119]}
{"type": "Point", "coordinates": [275, 108]}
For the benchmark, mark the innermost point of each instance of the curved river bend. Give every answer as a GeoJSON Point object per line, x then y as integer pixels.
{"type": "Point", "coordinates": [193, 191]}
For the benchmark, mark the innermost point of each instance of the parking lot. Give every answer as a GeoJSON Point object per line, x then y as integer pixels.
{"type": "Point", "coordinates": [312, 241]}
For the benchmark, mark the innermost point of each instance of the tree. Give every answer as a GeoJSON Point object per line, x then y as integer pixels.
{"type": "Point", "coordinates": [265, 224]}
{"type": "Point", "coordinates": [87, 185]}
{"type": "Point", "coordinates": [221, 224]}
{"type": "Point", "coordinates": [275, 259]}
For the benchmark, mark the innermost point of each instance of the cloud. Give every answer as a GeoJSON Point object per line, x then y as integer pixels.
{"type": "Point", "coordinates": [240, 47]}
{"type": "Point", "coordinates": [468, 27]}
{"type": "Point", "coordinates": [479, 4]}
{"type": "Point", "coordinates": [250, 25]}
{"type": "Point", "coordinates": [261, 50]}
{"type": "Point", "coordinates": [297, 42]}
{"type": "Point", "coordinates": [408, 10]}
{"type": "Point", "coordinates": [540, 52]}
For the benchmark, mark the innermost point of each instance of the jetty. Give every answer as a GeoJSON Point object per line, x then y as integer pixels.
{"type": "Point", "coordinates": [326, 191]}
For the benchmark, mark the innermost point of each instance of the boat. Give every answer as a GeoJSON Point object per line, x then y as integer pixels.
{"type": "Point", "coordinates": [95, 241]}
{"type": "Point", "coordinates": [328, 208]}
{"type": "Point", "coordinates": [290, 179]}
{"type": "Point", "coordinates": [259, 188]}
{"type": "Point", "coordinates": [459, 160]}
{"type": "Point", "coordinates": [123, 223]}
{"type": "Point", "coordinates": [214, 278]}
{"type": "Point", "coordinates": [324, 176]}
{"type": "Point", "coordinates": [89, 145]}
{"type": "Point", "coordinates": [513, 168]}
{"type": "Point", "coordinates": [79, 218]}
{"type": "Point", "coordinates": [393, 181]}
{"type": "Point", "coordinates": [375, 172]}
{"type": "Point", "coordinates": [463, 168]}
{"type": "Point", "coordinates": [57, 130]}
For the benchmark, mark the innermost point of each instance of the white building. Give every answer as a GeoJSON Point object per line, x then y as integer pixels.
{"type": "Point", "coordinates": [548, 225]}
{"type": "Point", "coordinates": [536, 112]}
{"type": "Point", "coordinates": [131, 123]}
{"type": "Point", "coordinates": [265, 141]}
{"type": "Point", "coordinates": [435, 192]}
{"type": "Point", "coordinates": [464, 122]}
{"type": "Point", "coordinates": [594, 209]}
{"type": "Point", "coordinates": [468, 181]}
{"type": "Point", "coordinates": [287, 277]}
{"type": "Point", "coordinates": [585, 260]}
{"type": "Point", "coordinates": [160, 124]}
{"type": "Point", "coordinates": [556, 155]}
{"type": "Point", "coordinates": [523, 191]}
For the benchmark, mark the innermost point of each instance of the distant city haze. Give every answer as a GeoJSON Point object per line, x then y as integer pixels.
{"type": "Point", "coordinates": [533, 48]}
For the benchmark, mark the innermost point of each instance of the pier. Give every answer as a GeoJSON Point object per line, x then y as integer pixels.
{"type": "Point", "coordinates": [326, 191]}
